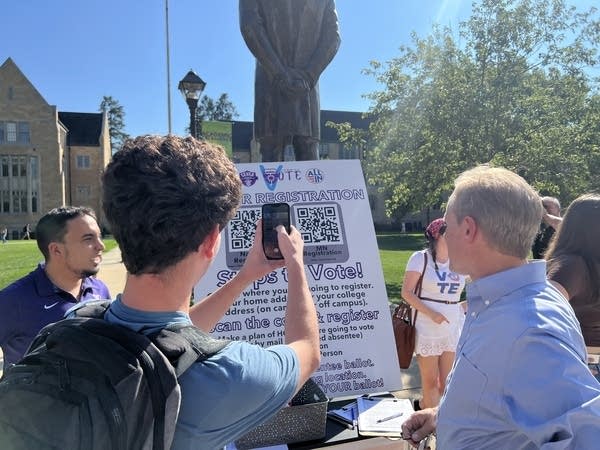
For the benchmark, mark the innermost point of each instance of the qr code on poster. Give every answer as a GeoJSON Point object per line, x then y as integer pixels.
{"type": "Point", "coordinates": [241, 229]}
{"type": "Point", "coordinates": [319, 224]}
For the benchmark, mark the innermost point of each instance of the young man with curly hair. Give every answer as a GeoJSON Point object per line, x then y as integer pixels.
{"type": "Point", "coordinates": [167, 200]}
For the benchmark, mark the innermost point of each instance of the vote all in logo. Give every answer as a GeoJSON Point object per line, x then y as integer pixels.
{"type": "Point", "coordinates": [314, 176]}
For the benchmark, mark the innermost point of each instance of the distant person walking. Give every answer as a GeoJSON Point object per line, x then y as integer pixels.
{"type": "Point", "coordinates": [4, 234]}
{"type": "Point", "coordinates": [27, 232]}
{"type": "Point", "coordinates": [69, 239]}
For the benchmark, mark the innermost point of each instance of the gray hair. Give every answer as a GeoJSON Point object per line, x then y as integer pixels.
{"type": "Point", "coordinates": [505, 207]}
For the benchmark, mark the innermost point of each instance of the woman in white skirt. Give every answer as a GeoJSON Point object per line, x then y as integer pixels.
{"type": "Point", "coordinates": [440, 316]}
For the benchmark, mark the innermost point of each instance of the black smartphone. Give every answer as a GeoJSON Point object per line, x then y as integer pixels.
{"type": "Point", "coordinates": [274, 214]}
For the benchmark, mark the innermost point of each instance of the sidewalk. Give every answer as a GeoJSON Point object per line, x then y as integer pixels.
{"type": "Point", "coordinates": [112, 271]}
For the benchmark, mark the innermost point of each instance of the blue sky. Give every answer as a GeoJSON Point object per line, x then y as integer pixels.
{"type": "Point", "coordinates": [75, 51]}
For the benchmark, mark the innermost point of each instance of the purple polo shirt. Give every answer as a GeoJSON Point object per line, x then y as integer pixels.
{"type": "Point", "coordinates": [31, 303]}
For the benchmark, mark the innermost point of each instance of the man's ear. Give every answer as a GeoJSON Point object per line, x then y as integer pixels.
{"type": "Point", "coordinates": [211, 243]}
{"type": "Point", "coordinates": [55, 249]}
{"type": "Point", "coordinates": [470, 229]}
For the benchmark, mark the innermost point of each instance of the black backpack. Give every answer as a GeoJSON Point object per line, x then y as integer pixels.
{"type": "Point", "coordinates": [87, 384]}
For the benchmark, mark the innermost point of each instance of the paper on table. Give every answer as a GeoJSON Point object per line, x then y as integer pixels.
{"type": "Point", "coordinates": [382, 416]}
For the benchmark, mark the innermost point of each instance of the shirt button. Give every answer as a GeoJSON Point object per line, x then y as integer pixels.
{"type": "Point", "coordinates": [472, 314]}
{"type": "Point", "coordinates": [487, 302]}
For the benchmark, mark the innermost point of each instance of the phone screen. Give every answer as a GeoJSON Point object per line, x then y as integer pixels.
{"type": "Point", "coordinates": [274, 214]}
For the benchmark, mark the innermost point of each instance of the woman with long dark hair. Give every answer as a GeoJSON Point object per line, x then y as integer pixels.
{"type": "Point", "coordinates": [440, 317]}
{"type": "Point", "coordinates": [573, 263]}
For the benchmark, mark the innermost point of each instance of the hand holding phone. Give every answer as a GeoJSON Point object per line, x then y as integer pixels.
{"type": "Point", "coordinates": [273, 215]}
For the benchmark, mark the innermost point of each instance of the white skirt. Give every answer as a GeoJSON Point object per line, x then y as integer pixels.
{"type": "Point", "coordinates": [434, 339]}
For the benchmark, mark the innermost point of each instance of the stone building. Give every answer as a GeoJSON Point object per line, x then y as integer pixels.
{"type": "Point", "coordinates": [47, 158]}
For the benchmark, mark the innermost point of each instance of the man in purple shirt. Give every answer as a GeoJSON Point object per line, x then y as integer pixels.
{"type": "Point", "coordinates": [69, 238]}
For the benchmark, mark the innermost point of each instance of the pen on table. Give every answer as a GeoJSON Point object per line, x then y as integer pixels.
{"type": "Point", "coordinates": [343, 423]}
{"type": "Point", "coordinates": [393, 416]}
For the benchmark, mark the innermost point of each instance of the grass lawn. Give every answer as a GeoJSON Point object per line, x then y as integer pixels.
{"type": "Point", "coordinates": [394, 250]}
{"type": "Point", "coordinates": [18, 258]}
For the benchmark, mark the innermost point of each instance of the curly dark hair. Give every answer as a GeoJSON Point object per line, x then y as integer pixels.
{"type": "Point", "coordinates": [163, 195]}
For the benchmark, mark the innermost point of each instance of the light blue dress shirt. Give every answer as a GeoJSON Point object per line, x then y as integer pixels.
{"type": "Point", "coordinates": [229, 393]}
{"type": "Point", "coordinates": [520, 379]}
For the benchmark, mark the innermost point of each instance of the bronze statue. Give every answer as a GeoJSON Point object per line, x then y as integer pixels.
{"type": "Point", "coordinates": [293, 41]}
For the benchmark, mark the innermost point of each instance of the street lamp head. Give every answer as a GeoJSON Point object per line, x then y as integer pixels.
{"type": "Point", "coordinates": [191, 86]}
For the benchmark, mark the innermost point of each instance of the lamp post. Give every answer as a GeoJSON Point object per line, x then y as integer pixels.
{"type": "Point", "coordinates": [191, 87]}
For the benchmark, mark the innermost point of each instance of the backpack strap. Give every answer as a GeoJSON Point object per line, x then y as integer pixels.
{"type": "Point", "coordinates": [183, 345]}
{"type": "Point", "coordinates": [92, 309]}
{"type": "Point", "coordinates": [419, 286]}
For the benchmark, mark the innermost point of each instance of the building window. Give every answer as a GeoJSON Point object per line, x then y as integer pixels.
{"type": "Point", "coordinates": [5, 201]}
{"type": "Point", "coordinates": [323, 150]}
{"type": "Point", "coordinates": [349, 153]}
{"type": "Point", "coordinates": [23, 136]}
{"type": "Point", "coordinates": [83, 191]}
{"type": "Point", "coordinates": [14, 133]}
{"type": "Point", "coordinates": [19, 184]}
{"type": "Point", "coordinates": [11, 132]}
{"type": "Point", "coordinates": [373, 203]}
{"type": "Point", "coordinates": [83, 161]}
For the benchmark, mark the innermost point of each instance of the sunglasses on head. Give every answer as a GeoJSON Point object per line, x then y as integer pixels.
{"type": "Point", "coordinates": [440, 232]}
{"type": "Point", "coordinates": [443, 229]}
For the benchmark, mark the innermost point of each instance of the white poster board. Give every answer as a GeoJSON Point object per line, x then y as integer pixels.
{"type": "Point", "coordinates": [330, 207]}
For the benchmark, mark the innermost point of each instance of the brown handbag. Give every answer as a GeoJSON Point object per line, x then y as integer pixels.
{"type": "Point", "coordinates": [404, 326]}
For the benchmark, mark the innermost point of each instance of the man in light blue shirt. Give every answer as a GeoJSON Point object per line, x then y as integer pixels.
{"type": "Point", "coordinates": [167, 200]}
{"type": "Point", "coordinates": [227, 394]}
{"type": "Point", "coordinates": [520, 378]}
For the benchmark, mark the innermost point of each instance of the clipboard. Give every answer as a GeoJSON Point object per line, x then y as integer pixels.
{"type": "Point", "coordinates": [382, 416]}
{"type": "Point", "coordinates": [346, 415]}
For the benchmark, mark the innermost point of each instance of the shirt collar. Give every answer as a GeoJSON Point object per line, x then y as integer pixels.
{"type": "Point", "coordinates": [87, 286]}
{"type": "Point", "coordinates": [144, 321]}
{"type": "Point", "coordinates": [46, 288]}
{"type": "Point", "coordinates": [43, 285]}
{"type": "Point", "coordinates": [487, 290]}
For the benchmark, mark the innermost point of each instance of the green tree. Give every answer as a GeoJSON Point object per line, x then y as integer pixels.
{"type": "Point", "coordinates": [516, 93]}
{"type": "Point", "coordinates": [116, 121]}
{"type": "Point", "coordinates": [209, 109]}
{"type": "Point", "coordinates": [221, 109]}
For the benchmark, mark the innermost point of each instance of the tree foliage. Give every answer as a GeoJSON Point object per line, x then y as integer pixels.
{"type": "Point", "coordinates": [221, 109]}
{"type": "Point", "coordinates": [209, 109]}
{"type": "Point", "coordinates": [517, 92]}
{"type": "Point", "coordinates": [116, 121]}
